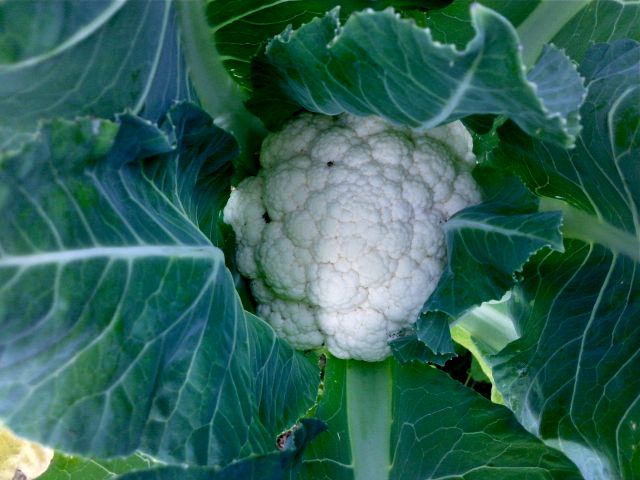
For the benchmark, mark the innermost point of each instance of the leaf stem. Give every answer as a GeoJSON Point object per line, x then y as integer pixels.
{"type": "Point", "coordinates": [543, 24]}
{"type": "Point", "coordinates": [219, 94]}
{"type": "Point", "coordinates": [491, 324]}
{"type": "Point", "coordinates": [369, 398]}
{"type": "Point", "coordinates": [588, 228]}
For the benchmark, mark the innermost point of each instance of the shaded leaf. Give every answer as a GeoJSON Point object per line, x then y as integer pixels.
{"type": "Point", "coordinates": [453, 23]}
{"type": "Point", "coordinates": [241, 29]}
{"type": "Point", "coordinates": [410, 349]}
{"type": "Point", "coordinates": [273, 466]}
{"type": "Point", "coordinates": [598, 21]}
{"type": "Point", "coordinates": [60, 60]}
{"type": "Point", "coordinates": [433, 330]}
{"type": "Point", "coordinates": [64, 467]}
{"type": "Point", "coordinates": [601, 21]}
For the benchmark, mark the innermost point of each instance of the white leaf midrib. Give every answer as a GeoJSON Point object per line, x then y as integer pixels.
{"type": "Point", "coordinates": [457, 223]}
{"type": "Point", "coordinates": [124, 253]}
{"type": "Point", "coordinates": [580, 225]}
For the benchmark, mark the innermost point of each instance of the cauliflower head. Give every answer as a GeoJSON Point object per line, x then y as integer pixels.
{"type": "Point", "coordinates": [20, 458]}
{"type": "Point", "coordinates": [341, 230]}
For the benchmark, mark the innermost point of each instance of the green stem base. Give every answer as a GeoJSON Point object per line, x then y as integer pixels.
{"type": "Point", "coordinates": [369, 404]}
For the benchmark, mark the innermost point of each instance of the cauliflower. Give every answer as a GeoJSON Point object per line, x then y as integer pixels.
{"type": "Point", "coordinates": [341, 230]}
{"type": "Point", "coordinates": [21, 459]}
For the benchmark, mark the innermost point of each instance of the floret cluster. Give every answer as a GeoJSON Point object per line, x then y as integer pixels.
{"type": "Point", "coordinates": [341, 230]}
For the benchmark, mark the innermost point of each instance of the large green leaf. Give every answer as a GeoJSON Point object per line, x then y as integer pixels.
{"type": "Point", "coordinates": [120, 329]}
{"type": "Point", "coordinates": [222, 36]}
{"type": "Point", "coordinates": [487, 244]}
{"type": "Point", "coordinates": [572, 378]}
{"type": "Point", "coordinates": [241, 29]}
{"type": "Point", "coordinates": [68, 58]}
{"type": "Point", "coordinates": [379, 64]}
{"type": "Point", "coordinates": [388, 421]}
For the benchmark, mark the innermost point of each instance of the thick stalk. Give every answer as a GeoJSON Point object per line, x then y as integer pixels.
{"type": "Point", "coordinates": [543, 24]}
{"type": "Point", "coordinates": [219, 95]}
{"type": "Point", "coordinates": [582, 226]}
{"type": "Point", "coordinates": [491, 324]}
{"type": "Point", "coordinates": [369, 397]}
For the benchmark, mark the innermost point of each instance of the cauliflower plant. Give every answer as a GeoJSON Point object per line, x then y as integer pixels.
{"type": "Point", "coordinates": [341, 230]}
{"type": "Point", "coordinates": [20, 458]}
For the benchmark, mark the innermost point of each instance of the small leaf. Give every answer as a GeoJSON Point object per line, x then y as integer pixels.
{"type": "Point", "coordinates": [410, 349]}
{"type": "Point", "coordinates": [488, 243]}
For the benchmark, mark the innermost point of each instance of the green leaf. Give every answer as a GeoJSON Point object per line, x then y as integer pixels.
{"type": "Point", "coordinates": [120, 329]}
{"type": "Point", "coordinates": [431, 342]}
{"type": "Point", "coordinates": [379, 64]}
{"type": "Point", "coordinates": [487, 246]}
{"type": "Point", "coordinates": [579, 310]}
{"type": "Point", "coordinates": [392, 421]}
{"type": "Point", "coordinates": [64, 467]}
{"type": "Point", "coordinates": [205, 181]}
{"type": "Point", "coordinates": [241, 29]}
{"type": "Point", "coordinates": [61, 59]}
